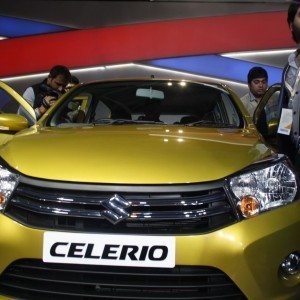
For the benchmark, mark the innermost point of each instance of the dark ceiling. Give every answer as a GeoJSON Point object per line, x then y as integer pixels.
{"type": "Point", "coordinates": [90, 14]}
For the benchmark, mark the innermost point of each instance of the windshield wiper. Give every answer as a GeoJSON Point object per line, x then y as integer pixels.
{"type": "Point", "coordinates": [211, 123]}
{"type": "Point", "coordinates": [123, 122]}
{"type": "Point", "coordinates": [70, 125]}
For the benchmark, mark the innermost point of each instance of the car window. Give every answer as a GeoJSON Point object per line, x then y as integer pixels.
{"type": "Point", "coordinates": [7, 103]}
{"type": "Point", "coordinates": [73, 110]}
{"type": "Point", "coordinates": [162, 102]}
{"type": "Point", "coordinates": [233, 117]}
{"type": "Point", "coordinates": [271, 108]}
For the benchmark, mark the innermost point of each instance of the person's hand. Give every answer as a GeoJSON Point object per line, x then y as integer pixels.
{"type": "Point", "coordinates": [48, 101]}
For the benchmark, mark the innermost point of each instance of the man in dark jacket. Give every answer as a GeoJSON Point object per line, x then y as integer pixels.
{"type": "Point", "coordinates": [43, 95]}
{"type": "Point", "coordinates": [289, 100]}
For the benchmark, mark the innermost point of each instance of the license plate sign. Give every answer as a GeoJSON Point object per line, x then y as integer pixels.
{"type": "Point", "coordinates": [108, 249]}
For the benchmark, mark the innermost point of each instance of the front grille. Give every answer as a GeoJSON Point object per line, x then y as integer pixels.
{"type": "Point", "coordinates": [152, 212]}
{"type": "Point", "coordinates": [33, 279]}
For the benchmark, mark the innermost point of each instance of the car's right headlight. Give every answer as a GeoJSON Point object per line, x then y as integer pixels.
{"type": "Point", "coordinates": [8, 182]}
{"type": "Point", "coordinates": [264, 188]}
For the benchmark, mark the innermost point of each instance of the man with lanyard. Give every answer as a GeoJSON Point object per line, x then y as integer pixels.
{"type": "Point", "coordinates": [258, 85]}
{"type": "Point", "coordinates": [289, 99]}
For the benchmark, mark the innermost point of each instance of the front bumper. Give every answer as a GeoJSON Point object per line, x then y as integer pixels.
{"type": "Point", "coordinates": [249, 252]}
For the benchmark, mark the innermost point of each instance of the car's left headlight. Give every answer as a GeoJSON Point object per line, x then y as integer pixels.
{"type": "Point", "coordinates": [263, 189]}
{"type": "Point", "coordinates": [8, 182]}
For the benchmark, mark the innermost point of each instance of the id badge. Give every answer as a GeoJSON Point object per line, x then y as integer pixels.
{"type": "Point", "coordinates": [286, 121]}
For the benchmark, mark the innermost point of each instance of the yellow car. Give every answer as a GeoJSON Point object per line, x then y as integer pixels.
{"type": "Point", "coordinates": [145, 189]}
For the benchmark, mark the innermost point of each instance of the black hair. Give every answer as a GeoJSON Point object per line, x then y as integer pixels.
{"type": "Point", "coordinates": [293, 8]}
{"type": "Point", "coordinates": [257, 72]}
{"type": "Point", "coordinates": [60, 70]}
{"type": "Point", "coordinates": [74, 80]}
{"type": "Point", "coordinates": [292, 11]}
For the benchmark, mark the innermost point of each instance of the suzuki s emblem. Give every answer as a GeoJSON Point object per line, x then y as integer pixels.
{"type": "Point", "coordinates": [115, 209]}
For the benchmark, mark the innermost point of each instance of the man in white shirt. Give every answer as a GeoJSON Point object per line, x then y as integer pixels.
{"type": "Point", "coordinates": [258, 85]}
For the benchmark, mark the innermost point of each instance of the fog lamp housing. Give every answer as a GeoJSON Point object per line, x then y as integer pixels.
{"type": "Point", "coordinates": [290, 266]}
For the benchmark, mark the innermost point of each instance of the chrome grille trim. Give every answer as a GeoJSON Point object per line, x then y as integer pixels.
{"type": "Point", "coordinates": [181, 215]}
{"type": "Point", "coordinates": [187, 211]}
{"type": "Point", "coordinates": [166, 200]}
{"type": "Point", "coordinates": [166, 215]}
{"type": "Point", "coordinates": [84, 206]}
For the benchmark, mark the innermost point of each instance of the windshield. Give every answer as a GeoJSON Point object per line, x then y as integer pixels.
{"type": "Point", "coordinates": [143, 102]}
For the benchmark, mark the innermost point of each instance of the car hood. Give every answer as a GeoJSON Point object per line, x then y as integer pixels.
{"type": "Point", "coordinates": [132, 154]}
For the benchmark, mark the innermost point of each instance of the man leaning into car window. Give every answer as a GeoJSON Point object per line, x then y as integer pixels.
{"type": "Point", "coordinates": [289, 99]}
{"type": "Point", "coordinates": [43, 95]}
{"type": "Point", "coordinates": [258, 85]}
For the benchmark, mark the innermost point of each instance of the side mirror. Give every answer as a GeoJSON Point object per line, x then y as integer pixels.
{"type": "Point", "coordinates": [12, 123]}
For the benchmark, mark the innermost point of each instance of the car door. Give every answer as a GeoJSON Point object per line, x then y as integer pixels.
{"type": "Point", "coordinates": [10, 121]}
{"type": "Point", "coordinates": [266, 116]}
